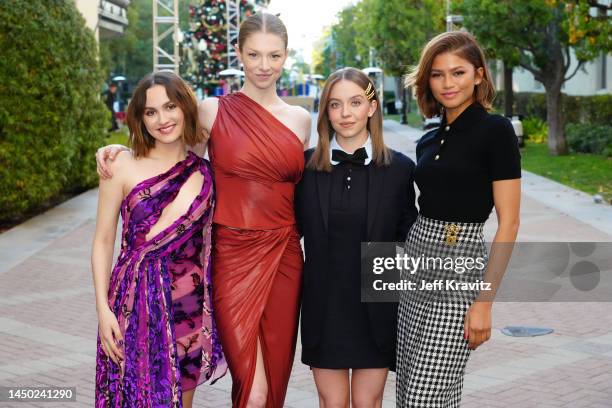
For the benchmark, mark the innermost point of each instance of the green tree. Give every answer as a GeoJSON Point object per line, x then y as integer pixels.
{"type": "Point", "coordinates": [51, 117]}
{"type": "Point", "coordinates": [398, 30]}
{"type": "Point", "coordinates": [394, 31]}
{"type": "Point", "coordinates": [344, 44]}
{"type": "Point", "coordinates": [541, 37]}
{"type": "Point", "coordinates": [346, 35]}
{"type": "Point", "coordinates": [323, 54]}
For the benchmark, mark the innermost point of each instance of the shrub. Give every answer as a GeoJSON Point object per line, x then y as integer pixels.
{"type": "Point", "coordinates": [586, 138]}
{"type": "Point", "coordinates": [594, 109]}
{"type": "Point", "coordinates": [51, 115]}
{"type": "Point", "coordinates": [535, 129]}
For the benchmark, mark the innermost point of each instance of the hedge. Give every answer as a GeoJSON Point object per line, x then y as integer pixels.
{"type": "Point", "coordinates": [51, 116]}
{"type": "Point", "coordinates": [594, 109]}
{"type": "Point", "coordinates": [586, 138]}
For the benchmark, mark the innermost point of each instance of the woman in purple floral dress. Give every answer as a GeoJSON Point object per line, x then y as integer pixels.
{"type": "Point", "coordinates": [157, 337]}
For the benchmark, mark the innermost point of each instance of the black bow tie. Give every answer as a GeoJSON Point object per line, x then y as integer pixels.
{"type": "Point", "coordinates": [358, 157]}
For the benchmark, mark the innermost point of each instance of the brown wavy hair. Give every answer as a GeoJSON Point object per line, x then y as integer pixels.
{"type": "Point", "coordinates": [463, 45]}
{"type": "Point", "coordinates": [262, 23]}
{"type": "Point", "coordinates": [140, 140]}
{"type": "Point", "coordinates": [320, 160]}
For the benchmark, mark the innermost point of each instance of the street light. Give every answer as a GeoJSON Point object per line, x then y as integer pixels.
{"type": "Point", "coordinates": [453, 21]}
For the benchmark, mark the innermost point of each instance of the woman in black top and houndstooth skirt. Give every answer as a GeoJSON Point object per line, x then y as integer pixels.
{"type": "Point", "coordinates": [465, 168]}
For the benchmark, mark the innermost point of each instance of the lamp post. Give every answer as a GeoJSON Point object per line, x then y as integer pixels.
{"type": "Point", "coordinates": [453, 21]}
{"type": "Point", "coordinates": [404, 117]}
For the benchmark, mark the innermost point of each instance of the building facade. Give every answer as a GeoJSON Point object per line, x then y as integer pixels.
{"type": "Point", "coordinates": [106, 18]}
{"type": "Point", "coordinates": [594, 78]}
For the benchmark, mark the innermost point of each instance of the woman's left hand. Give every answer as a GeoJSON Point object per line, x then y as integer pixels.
{"type": "Point", "coordinates": [477, 326]}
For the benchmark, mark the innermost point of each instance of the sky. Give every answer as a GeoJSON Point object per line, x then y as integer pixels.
{"type": "Point", "coordinates": [305, 20]}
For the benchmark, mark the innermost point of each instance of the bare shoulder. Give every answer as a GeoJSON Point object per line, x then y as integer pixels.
{"type": "Point", "coordinates": [298, 120]}
{"type": "Point", "coordinates": [305, 123]}
{"type": "Point", "coordinates": [302, 114]}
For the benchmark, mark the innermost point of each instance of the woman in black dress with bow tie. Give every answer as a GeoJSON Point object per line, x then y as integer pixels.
{"type": "Point", "coordinates": [354, 190]}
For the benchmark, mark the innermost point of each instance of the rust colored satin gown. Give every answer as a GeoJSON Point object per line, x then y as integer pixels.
{"type": "Point", "coordinates": [257, 257]}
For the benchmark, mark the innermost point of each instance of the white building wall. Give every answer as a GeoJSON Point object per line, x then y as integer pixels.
{"type": "Point", "coordinates": [89, 10]}
{"type": "Point", "coordinates": [590, 79]}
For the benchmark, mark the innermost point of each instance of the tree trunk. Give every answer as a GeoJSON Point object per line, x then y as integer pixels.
{"type": "Point", "coordinates": [404, 116]}
{"type": "Point", "coordinates": [508, 93]}
{"type": "Point", "coordinates": [553, 78]}
{"type": "Point", "coordinates": [409, 100]}
{"type": "Point", "coordinates": [556, 132]}
{"type": "Point", "coordinates": [399, 85]}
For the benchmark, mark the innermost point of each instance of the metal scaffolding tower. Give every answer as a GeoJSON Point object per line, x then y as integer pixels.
{"type": "Point", "coordinates": [233, 25]}
{"type": "Point", "coordinates": [165, 12]}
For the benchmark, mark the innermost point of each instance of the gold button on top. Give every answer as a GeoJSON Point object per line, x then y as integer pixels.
{"type": "Point", "coordinates": [437, 157]}
{"type": "Point", "coordinates": [447, 128]}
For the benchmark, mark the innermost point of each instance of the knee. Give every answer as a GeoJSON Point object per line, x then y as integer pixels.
{"type": "Point", "coordinates": [362, 400]}
{"type": "Point", "coordinates": [257, 399]}
{"type": "Point", "coordinates": [336, 401]}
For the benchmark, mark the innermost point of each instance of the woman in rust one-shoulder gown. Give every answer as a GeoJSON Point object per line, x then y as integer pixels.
{"type": "Point", "coordinates": [257, 256]}
{"type": "Point", "coordinates": [256, 147]}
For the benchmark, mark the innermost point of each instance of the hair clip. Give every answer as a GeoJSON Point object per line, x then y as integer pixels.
{"type": "Point", "coordinates": [370, 91]}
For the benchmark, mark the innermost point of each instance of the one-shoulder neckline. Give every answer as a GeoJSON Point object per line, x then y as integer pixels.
{"type": "Point", "coordinates": [140, 185]}
{"type": "Point", "coordinates": [296, 137]}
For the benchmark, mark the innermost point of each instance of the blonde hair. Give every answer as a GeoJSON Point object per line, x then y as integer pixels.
{"type": "Point", "coordinates": [180, 93]}
{"type": "Point", "coordinates": [262, 23]}
{"type": "Point", "coordinates": [381, 155]}
{"type": "Point", "coordinates": [463, 45]}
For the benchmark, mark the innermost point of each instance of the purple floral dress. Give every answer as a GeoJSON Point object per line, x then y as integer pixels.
{"type": "Point", "coordinates": [160, 292]}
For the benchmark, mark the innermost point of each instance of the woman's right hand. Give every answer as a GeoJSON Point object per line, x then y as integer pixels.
{"type": "Point", "coordinates": [110, 335]}
{"type": "Point", "coordinates": [103, 155]}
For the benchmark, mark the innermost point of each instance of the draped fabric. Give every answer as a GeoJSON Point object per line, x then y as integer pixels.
{"type": "Point", "coordinates": [257, 255]}
{"type": "Point", "coordinates": [161, 294]}
{"type": "Point", "coordinates": [257, 162]}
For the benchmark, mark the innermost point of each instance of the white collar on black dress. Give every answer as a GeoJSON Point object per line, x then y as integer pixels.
{"type": "Point", "coordinates": [335, 146]}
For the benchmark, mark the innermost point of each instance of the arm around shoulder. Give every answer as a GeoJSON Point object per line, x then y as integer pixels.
{"type": "Point", "coordinates": [207, 113]}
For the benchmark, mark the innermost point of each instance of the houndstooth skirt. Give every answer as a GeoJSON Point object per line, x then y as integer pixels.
{"type": "Point", "coordinates": [431, 350]}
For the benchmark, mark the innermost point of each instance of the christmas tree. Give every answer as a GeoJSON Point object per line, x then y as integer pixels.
{"type": "Point", "coordinates": [204, 47]}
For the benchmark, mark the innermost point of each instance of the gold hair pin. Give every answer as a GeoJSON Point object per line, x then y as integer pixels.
{"type": "Point", "coordinates": [370, 91]}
